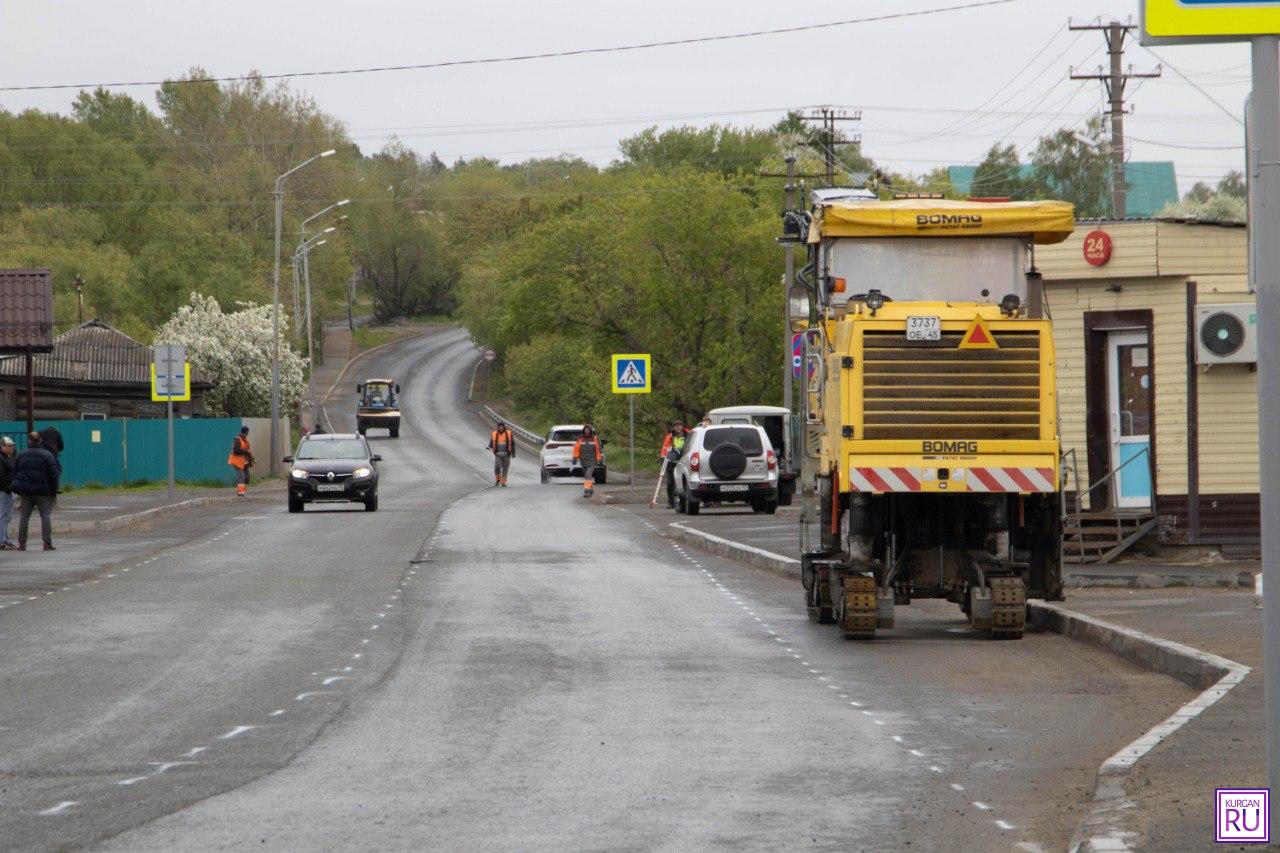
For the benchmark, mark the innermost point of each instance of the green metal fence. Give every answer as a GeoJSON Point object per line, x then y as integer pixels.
{"type": "Point", "coordinates": [115, 452]}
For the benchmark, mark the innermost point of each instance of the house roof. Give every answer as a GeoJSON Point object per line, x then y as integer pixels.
{"type": "Point", "coordinates": [92, 352]}
{"type": "Point", "coordinates": [1151, 185]}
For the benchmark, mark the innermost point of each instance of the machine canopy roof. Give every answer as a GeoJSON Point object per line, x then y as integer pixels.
{"type": "Point", "coordinates": [1043, 222]}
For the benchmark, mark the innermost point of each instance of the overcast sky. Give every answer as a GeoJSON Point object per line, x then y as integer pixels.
{"type": "Point", "coordinates": [911, 78]}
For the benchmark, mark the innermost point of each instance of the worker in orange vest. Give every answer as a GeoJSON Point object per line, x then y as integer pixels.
{"type": "Point", "coordinates": [587, 453]}
{"type": "Point", "coordinates": [503, 445]}
{"type": "Point", "coordinates": [241, 458]}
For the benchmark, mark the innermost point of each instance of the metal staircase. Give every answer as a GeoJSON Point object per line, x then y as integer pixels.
{"type": "Point", "coordinates": [1090, 537]}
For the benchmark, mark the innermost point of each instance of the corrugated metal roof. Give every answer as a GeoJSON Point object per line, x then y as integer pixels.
{"type": "Point", "coordinates": [92, 352]}
{"type": "Point", "coordinates": [26, 309]}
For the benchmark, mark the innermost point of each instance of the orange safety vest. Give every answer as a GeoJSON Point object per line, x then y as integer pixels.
{"type": "Point", "coordinates": [240, 455]}
{"type": "Point", "coordinates": [502, 441]}
{"type": "Point", "coordinates": [592, 440]}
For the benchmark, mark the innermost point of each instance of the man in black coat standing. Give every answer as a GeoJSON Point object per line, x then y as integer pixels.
{"type": "Point", "coordinates": [35, 482]}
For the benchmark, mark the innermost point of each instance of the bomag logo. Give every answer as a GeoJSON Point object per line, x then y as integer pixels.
{"type": "Point", "coordinates": [949, 447]}
{"type": "Point", "coordinates": [949, 219]}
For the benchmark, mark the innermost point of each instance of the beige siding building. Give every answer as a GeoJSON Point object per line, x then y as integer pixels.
{"type": "Point", "coordinates": [1127, 328]}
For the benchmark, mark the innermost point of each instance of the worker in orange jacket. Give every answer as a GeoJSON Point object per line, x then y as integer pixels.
{"type": "Point", "coordinates": [503, 445]}
{"type": "Point", "coordinates": [241, 458]}
{"type": "Point", "coordinates": [587, 453]}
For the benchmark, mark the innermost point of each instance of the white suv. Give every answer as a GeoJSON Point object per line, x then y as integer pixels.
{"type": "Point", "coordinates": [727, 462]}
{"type": "Point", "coordinates": [556, 455]}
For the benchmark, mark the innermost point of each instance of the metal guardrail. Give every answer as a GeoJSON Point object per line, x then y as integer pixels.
{"type": "Point", "coordinates": [533, 441]}
{"type": "Point", "coordinates": [528, 436]}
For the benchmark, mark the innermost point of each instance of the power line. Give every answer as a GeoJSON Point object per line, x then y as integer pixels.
{"type": "Point", "coordinates": [452, 63]}
{"type": "Point", "coordinates": [1195, 86]}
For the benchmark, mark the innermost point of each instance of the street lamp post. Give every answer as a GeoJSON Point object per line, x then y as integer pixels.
{"type": "Point", "coordinates": [79, 299]}
{"type": "Point", "coordinates": [303, 253]}
{"type": "Point", "coordinates": [278, 197]}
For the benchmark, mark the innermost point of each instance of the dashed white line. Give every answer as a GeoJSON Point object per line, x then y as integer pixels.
{"type": "Point", "coordinates": [60, 807]}
{"type": "Point", "coordinates": [1005, 825]}
{"type": "Point", "coordinates": [133, 780]}
{"type": "Point", "coordinates": [238, 730]}
{"type": "Point", "coordinates": [981, 806]}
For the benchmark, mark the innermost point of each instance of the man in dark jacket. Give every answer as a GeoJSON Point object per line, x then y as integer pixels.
{"type": "Point", "coordinates": [52, 441]}
{"type": "Point", "coordinates": [35, 482]}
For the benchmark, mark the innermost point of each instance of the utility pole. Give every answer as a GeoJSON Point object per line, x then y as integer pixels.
{"type": "Point", "coordinates": [1114, 82]}
{"type": "Point", "coordinates": [789, 279]}
{"type": "Point", "coordinates": [827, 141]}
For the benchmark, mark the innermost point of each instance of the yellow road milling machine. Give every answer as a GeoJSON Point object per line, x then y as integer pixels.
{"type": "Point", "coordinates": [929, 418]}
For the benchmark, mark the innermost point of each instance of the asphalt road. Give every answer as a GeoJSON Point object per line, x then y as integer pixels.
{"type": "Point", "coordinates": [473, 667]}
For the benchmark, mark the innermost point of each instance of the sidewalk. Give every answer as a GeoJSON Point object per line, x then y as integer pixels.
{"type": "Point", "coordinates": [1172, 787]}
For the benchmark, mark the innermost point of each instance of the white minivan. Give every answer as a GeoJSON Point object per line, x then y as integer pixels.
{"type": "Point", "coordinates": [724, 463]}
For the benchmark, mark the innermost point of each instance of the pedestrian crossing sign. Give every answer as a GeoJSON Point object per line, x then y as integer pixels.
{"type": "Point", "coordinates": [631, 374]}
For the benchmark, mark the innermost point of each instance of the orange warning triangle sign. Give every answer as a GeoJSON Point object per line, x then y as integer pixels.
{"type": "Point", "coordinates": [978, 336]}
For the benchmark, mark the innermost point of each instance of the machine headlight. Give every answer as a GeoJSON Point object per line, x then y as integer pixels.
{"type": "Point", "coordinates": [298, 474]}
{"type": "Point", "coordinates": [361, 472]}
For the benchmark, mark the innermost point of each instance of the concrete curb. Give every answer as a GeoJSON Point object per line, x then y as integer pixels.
{"type": "Point", "coordinates": [102, 525]}
{"type": "Point", "coordinates": [758, 557]}
{"type": "Point", "coordinates": [1151, 580]}
{"type": "Point", "coordinates": [1106, 824]}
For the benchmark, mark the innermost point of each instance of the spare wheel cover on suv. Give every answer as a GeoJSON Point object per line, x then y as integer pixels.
{"type": "Point", "coordinates": [728, 461]}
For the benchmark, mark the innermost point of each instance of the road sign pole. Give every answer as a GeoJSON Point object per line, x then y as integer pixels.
{"type": "Point", "coordinates": [1264, 189]}
{"type": "Point", "coordinates": [170, 413]}
{"type": "Point", "coordinates": [631, 398]}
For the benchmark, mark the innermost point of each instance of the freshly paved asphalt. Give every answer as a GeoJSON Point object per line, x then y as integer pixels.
{"type": "Point", "coordinates": [473, 667]}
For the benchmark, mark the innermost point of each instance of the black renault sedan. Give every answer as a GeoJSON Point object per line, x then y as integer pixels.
{"type": "Point", "coordinates": [333, 467]}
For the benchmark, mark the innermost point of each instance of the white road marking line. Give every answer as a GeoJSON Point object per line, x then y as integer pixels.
{"type": "Point", "coordinates": [332, 679]}
{"type": "Point", "coordinates": [897, 738]}
{"type": "Point", "coordinates": [357, 656]}
{"type": "Point", "coordinates": [956, 787]}
{"type": "Point", "coordinates": [162, 766]}
{"type": "Point", "coordinates": [238, 730]}
{"type": "Point", "coordinates": [917, 753]}
{"type": "Point", "coordinates": [981, 806]}
{"type": "Point", "coordinates": [194, 751]}
{"type": "Point", "coordinates": [878, 722]}
{"type": "Point", "coordinates": [132, 780]}
{"type": "Point", "coordinates": [857, 705]}
{"type": "Point", "coordinates": [304, 696]}
{"type": "Point", "coordinates": [277, 712]}
{"type": "Point", "coordinates": [60, 808]}
{"type": "Point", "coordinates": [1004, 824]}
{"type": "Point", "coordinates": [935, 768]}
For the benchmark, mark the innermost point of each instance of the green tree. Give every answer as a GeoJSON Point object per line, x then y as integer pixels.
{"type": "Point", "coordinates": [1000, 174]}
{"type": "Point", "coordinates": [1075, 167]}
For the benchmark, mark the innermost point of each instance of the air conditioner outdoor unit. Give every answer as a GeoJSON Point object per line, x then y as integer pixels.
{"type": "Point", "coordinates": [1227, 334]}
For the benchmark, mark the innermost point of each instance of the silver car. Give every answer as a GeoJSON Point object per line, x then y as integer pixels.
{"type": "Point", "coordinates": [727, 463]}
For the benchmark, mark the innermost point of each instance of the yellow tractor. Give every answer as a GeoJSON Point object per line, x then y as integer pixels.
{"type": "Point", "coordinates": [929, 424]}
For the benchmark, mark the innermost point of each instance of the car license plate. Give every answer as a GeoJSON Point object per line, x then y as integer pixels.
{"type": "Point", "coordinates": [924, 328]}
{"type": "Point", "coordinates": [330, 487]}
{"type": "Point", "coordinates": [741, 488]}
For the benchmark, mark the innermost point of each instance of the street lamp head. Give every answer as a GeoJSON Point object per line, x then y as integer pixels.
{"type": "Point", "coordinates": [329, 153]}
{"type": "Point", "coordinates": [319, 243]}
{"type": "Point", "coordinates": [329, 230]}
{"type": "Point", "coordinates": [343, 203]}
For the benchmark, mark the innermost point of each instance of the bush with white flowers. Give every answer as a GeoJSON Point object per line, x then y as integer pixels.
{"type": "Point", "coordinates": [233, 351]}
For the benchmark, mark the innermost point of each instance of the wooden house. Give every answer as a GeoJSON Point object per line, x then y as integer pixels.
{"type": "Point", "coordinates": [94, 372]}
